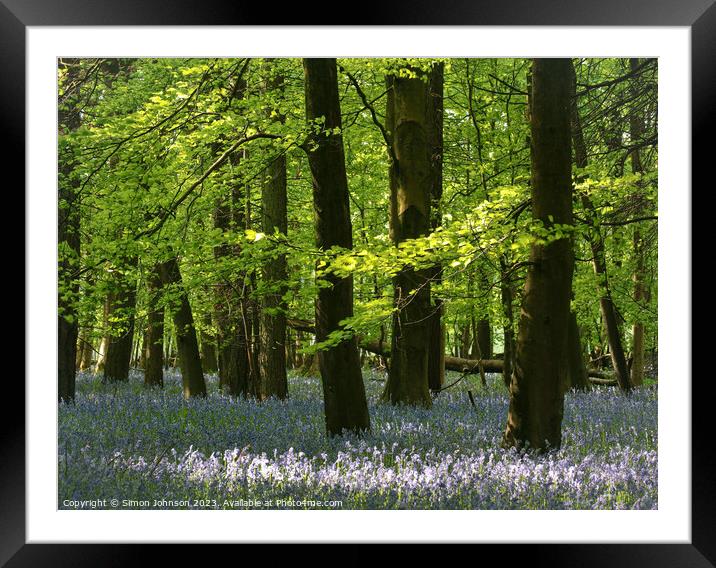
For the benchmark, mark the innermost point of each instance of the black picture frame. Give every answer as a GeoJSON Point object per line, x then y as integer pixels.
{"type": "Point", "coordinates": [699, 15]}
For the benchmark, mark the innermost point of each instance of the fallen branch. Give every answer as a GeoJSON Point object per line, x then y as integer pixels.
{"type": "Point", "coordinates": [458, 364]}
{"type": "Point", "coordinates": [605, 382]}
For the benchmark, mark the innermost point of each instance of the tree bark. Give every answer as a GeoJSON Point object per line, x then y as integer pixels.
{"type": "Point", "coordinates": [577, 370]}
{"type": "Point", "coordinates": [251, 316]}
{"type": "Point", "coordinates": [640, 296]}
{"type": "Point", "coordinates": [482, 339]}
{"type": "Point", "coordinates": [275, 273]}
{"type": "Point", "coordinates": [208, 347]}
{"type": "Point", "coordinates": [508, 331]}
{"type": "Point", "coordinates": [253, 320]}
{"type": "Point", "coordinates": [209, 361]}
{"type": "Point", "coordinates": [154, 334]}
{"type": "Point", "coordinates": [187, 345]}
{"type": "Point", "coordinates": [102, 351]}
{"type": "Point", "coordinates": [229, 306]}
{"type": "Point", "coordinates": [482, 331]}
{"type": "Point", "coordinates": [234, 329]}
{"type": "Point", "coordinates": [596, 243]}
{"type": "Point", "coordinates": [465, 341]}
{"type": "Point", "coordinates": [434, 124]}
{"type": "Point", "coordinates": [68, 251]}
{"type": "Point", "coordinates": [122, 304]}
{"type": "Point", "coordinates": [346, 407]}
{"type": "Point", "coordinates": [636, 129]}
{"type": "Point", "coordinates": [85, 348]}
{"type": "Point", "coordinates": [273, 314]}
{"type": "Point", "coordinates": [536, 396]}
{"type": "Point", "coordinates": [410, 205]}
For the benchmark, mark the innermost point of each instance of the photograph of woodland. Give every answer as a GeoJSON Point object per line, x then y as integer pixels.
{"type": "Point", "coordinates": [357, 283]}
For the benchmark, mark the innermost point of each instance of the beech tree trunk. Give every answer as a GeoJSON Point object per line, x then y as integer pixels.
{"type": "Point", "coordinates": [636, 129]}
{"type": "Point", "coordinates": [508, 331]}
{"type": "Point", "coordinates": [482, 339]}
{"type": "Point", "coordinates": [253, 319]}
{"type": "Point", "coordinates": [154, 334]}
{"type": "Point", "coordinates": [138, 352]}
{"type": "Point", "coordinates": [481, 329]}
{"type": "Point", "coordinates": [102, 350]}
{"type": "Point", "coordinates": [86, 351]}
{"type": "Point", "coordinates": [410, 206]}
{"type": "Point", "coordinates": [187, 344]}
{"type": "Point", "coordinates": [536, 396]}
{"type": "Point", "coordinates": [467, 340]}
{"type": "Point", "coordinates": [596, 244]}
{"type": "Point", "coordinates": [434, 125]}
{"type": "Point", "coordinates": [234, 328]}
{"type": "Point", "coordinates": [640, 296]}
{"type": "Point", "coordinates": [346, 407]}
{"type": "Point", "coordinates": [68, 251]}
{"type": "Point", "coordinates": [273, 313]}
{"type": "Point", "coordinates": [208, 347]}
{"type": "Point", "coordinates": [143, 354]}
{"type": "Point", "coordinates": [251, 315]}
{"type": "Point", "coordinates": [229, 307]}
{"type": "Point", "coordinates": [577, 369]}
{"type": "Point", "coordinates": [122, 303]}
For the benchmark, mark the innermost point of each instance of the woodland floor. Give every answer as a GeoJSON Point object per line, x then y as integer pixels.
{"type": "Point", "coordinates": [140, 447]}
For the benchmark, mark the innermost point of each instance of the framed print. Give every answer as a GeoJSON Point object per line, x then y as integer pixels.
{"type": "Point", "coordinates": [225, 185]}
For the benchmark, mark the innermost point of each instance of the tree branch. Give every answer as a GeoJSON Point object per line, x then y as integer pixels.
{"type": "Point", "coordinates": [369, 106]}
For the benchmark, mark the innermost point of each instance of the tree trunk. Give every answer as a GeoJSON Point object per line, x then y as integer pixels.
{"type": "Point", "coordinates": [434, 125]}
{"type": "Point", "coordinates": [68, 251]}
{"type": "Point", "coordinates": [465, 341]}
{"type": "Point", "coordinates": [275, 272]}
{"type": "Point", "coordinates": [273, 314]}
{"type": "Point", "coordinates": [346, 407]}
{"type": "Point", "coordinates": [187, 344]}
{"type": "Point", "coordinates": [229, 307]}
{"type": "Point", "coordinates": [251, 314]}
{"type": "Point", "coordinates": [636, 129]}
{"type": "Point", "coordinates": [482, 331]}
{"type": "Point", "coordinates": [136, 360]}
{"type": "Point", "coordinates": [291, 346]}
{"type": "Point", "coordinates": [410, 205]}
{"type": "Point", "coordinates": [482, 339]}
{"type": "Point", "coordinates": [167, 349]}
{"type": "Point", "coordinates": [104, 342]}
{"type": "Point", "coordinates": [577, 370]}
{"type": "Point", "coordinates": [154, 334]}
{"type": "Point", "coordinates": [640, 295]}
{"type": "Point", "coordinates": [596, 243]}
{"type": "Point", "coordinates": [536, 397]}
{"type": "Point", "coordinates": [298, 362]}
{"type": "Point", "coordinates": [208, 347]}
{"type": "Point", "coordinates": [253, 319]}
{"type": "Point", "coordinates": [122, 304]}
{"type": "Point", "coordinates": [143, 355]}
{"type": "Point", "coordinates": [508, 331]}
{"type": "Point", "coordinates": [86, 351]}
{"type": "Point", "coordinates": [233, 335]}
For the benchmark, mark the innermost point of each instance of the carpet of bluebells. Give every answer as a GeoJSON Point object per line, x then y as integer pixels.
{"type": "Point", "coordinates": [151, 449]}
